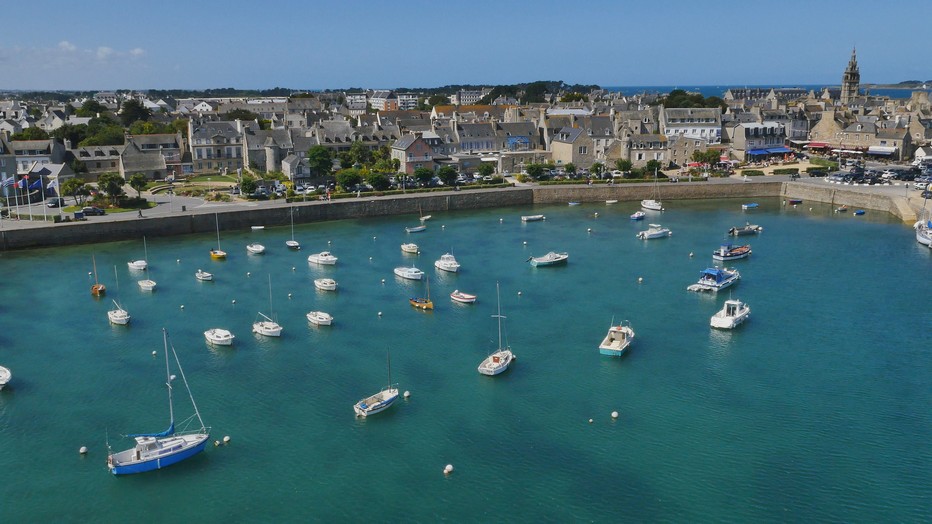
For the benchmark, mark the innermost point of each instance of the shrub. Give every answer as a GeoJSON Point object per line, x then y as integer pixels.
{"type": "Point", "coordinates": [752, 172]}
{"type": "Point", "coordinates": [786, 171]}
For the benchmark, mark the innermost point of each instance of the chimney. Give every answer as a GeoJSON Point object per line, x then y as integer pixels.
{"type": "Point", "coordinates": [239, 125]}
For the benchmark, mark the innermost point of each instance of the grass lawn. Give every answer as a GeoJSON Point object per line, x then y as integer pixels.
{"type": "Point", "coordinates": [72, 209]}
{"type": "Point", "coordinates": [213, 178]}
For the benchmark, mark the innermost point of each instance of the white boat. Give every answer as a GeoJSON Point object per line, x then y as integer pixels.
{"type": "Point", "coordinates": [319, 318]}
{"type": "Point", "coordinates": [255, 248]}
{"type": "Point", "coordinates": [729, 252]}
{"type": "Point", "coordinates": [573, 203]}
{"type": "Point", "coordinates": [533, 218]}
{"type": "Point", "coordinates": [732, 314]}
{"type": "Point", "coordinates": [447, 262]}
{"type": "Point", "coordinates": [654, 231]}
{"type": "Point", "coordinates": [138, 265]}
{"type": "Point", "coordinates": [617, 340]}
{"type": "Point", "coordinates": [612, 201]}
{"type": "Point", "coordinates": [550, 259]}
{"type": "Point", "coordinates": [416, 229]}
{"type": "Point", "coordinates": [410, 273]}
{"type": "Point", "coordinates": [424, 218]}
{"type": "Point", "coordinates": [654, 203]}
{"type": "Point", "coordinates": [119, 315]}
{"type": "Point", "coordinates": [158, 450]}
{"type": "Point", "coordinates": [323, 258]}
{"type": "Point", "coordinates": [218, 254]}
{"type": "Point", "coordinates": [5, 376]}
{"type": "Point", "coordinates": [292, 244]}
{"type": "Point", "coordinates": [219, 336]}
{"type": "Point", "coordinates": [924, 232]}
{"type": "Point", "coordinates": [146, 284]}
{"type": "Point", "coordinates": [500, 359]}
{"type": "Point", "coordinates": [203, 276]}
{"type": "Point", "coordinates": [747, 229]}
{"type": "Point", "coordinates": [257, 228]}
{"type": "Point", "coordinates": [264, 325]}
{"type": "Point", "coordinates": [410, 248]}
{"type": "Point", "coordinates": [325, 284]}
{"type": "Point", "coordinates": [714, 279]}
{"type": "Point", "coordinates": [461, 297]}
{"type": "Point", "coordinates": [638, 215]}
{"type": "Point", "coordinates": [381, 400]}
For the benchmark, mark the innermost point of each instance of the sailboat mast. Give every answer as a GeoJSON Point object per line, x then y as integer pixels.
{"type": "Point", "coordinates": [270, 295]}
{"type": "Point", "coordinates": [389, 356]}
{"type": "Point", "coordinates": [188, 388]}
{"type": "Point", "coordinates": [499, 315]}
{"type": "Point", "coordinates": [94, 262]}
{"type": "Point", "coordinates": [168, 379]}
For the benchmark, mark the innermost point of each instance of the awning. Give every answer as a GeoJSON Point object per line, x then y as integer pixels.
{"type": "Point", "coordinates": [757, 151]}
{"type": "Point", "coordinates": [849, 151]}
{"type": "Point", "coordinates": [881, 150]}
{"type": "Point", "coordinates": [723, 158]}
{"type": "Point", "coordinates": [813, 145]}
{"type": "Point", "coordinates": [799, 142]}
{"type": "Point", "coordinates": [779, 150]}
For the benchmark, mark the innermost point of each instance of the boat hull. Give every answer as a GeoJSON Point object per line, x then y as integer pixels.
{"type": "Point", "coordinates": [324, 284]}
{"type": "Point", "coordinates": [255, 249]}
{"type": "Point", "coordinates": [217, 254]}
{"type": "Point", "coordinates": [402, 272]}
{"type": "Point", "coordinates": [293, 244]}
{"type": "Point", "coordinates": [652, 205]}
{"type": "Point", "coordinates": [269, 329]}
{"type": "Point", "coordinates": [188, 450]}
{"type": "Point", "coordinates": [532, 218]}
{"type": "Point", "coordinates": [462, 298]}
{"type": "Point", "coordinates": [491, 367]}
{"type": "Point", "coordinates": [319, 318]}
{"type": "Point", "coordinates": [728, 322]}
{"type": "Point", "coordinates": [373, 405]}
{"type": "Point", "coordinates": [219, 337]}
{"type": "Point", "coordinates": [416, 229]}
{"type": "Point", "coordinates": [118, 317]}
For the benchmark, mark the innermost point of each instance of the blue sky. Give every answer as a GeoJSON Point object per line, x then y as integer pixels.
{"type": "Point", "coordinates": [96, 44]}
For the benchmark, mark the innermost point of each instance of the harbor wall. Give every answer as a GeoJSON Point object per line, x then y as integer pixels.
{"type": "Point", "coordinates": [670, 191]}
{"type": "Point", "coordinates": [851, 197]}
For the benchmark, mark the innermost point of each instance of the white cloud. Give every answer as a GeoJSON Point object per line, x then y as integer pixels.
{"type": "Point", "coordinates": [136, 52]}
{"type": "Point", "coordinates": [104, 52]}
{"type": "Point", "coordinates": [65, 45]}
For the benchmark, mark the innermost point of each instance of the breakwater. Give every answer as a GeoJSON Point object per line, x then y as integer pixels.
{"type": "Point", "coordinates": [202, 220]}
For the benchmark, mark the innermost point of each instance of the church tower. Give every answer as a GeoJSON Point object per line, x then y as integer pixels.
{"type": "Point", "coordinates": [850, 80]}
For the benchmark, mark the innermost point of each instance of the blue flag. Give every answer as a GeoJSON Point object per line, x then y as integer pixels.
{"type": "Point", "coordinates": [36, 185]}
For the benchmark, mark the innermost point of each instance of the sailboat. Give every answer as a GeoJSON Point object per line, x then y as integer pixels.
{"type": "Point", "coordinates": [146, 284]}
{"type": "Point", "coordinates": [119, 315]}
{"type": "Point", "coordinates": [498, 361]}
{"type": "Point", "coordinates": [923, 227]}
{"type": "Point", "coordinates": [381, 400]}
{"type": "Point", "coordinates": [159, 450]}
{"type": "Point", "coordinates": [421, 302]}
{"type": "Point", "coordinates": [267, 327]}
{"type": "Point", "coordinates": [292, 244]}
{"type": "Point", "coordinates": [651, 203]}
{"type": "Point", "coordinates": [98, 289]}
{"type": "Point", "coordinates": [218, 253]}
{"type": "Point", "coordinates": [424, 217]}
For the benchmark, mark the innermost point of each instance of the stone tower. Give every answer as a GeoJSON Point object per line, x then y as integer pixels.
{"type": "Point", "coordinates": [850, 80]}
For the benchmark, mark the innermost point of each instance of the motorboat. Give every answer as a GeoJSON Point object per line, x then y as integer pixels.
{"type": "Point", "coordinates": [324, 258]}
{"type": "Point", "coordinates": [203, 276]}
{"type": "Point", "coordinates": [158, 450]}
{"type": "Point", "coordinates": [573, 203]}
{"type": "Point", "coordinates": [841, 209]}
{"type": "Point", "coordinates": [733, 313]}
{"type": "Point", "coordinates": [5, 376]}
{"type": "Point", "coordinates": [381, 400]}
{"type": "Point", "coordinates": [424, 303]}
{"type": "Point", "coordinates": [499, 360]}
{"type": "Point", "coordinates": [612, 201]}
{"type": "Point", "coordinates": [461, 297]}
{"type": "Point", "coordinates": [651, 204]}
{"type": "Point", "coordinates": [416, 229]}
{"type": "Point", "coordinates": [147, 284]}
{"type": "Point", "coordinates": [255, 248]}
{"type": "Point", "coordinates": [319, 318]}
{"type": "Point", "coordinates": [729, 252]}
{"type": "Point", "coordinates": [550, 259]}
{"type": "Point", "coordinates": [264, 325]}
{"type": "Point", "coordinates": [447, 262]}
{"type": "Point", "coordinates": [752, 205]}
{"type": "Point", "coordinates": [638, 215]}
{"type": "Point", "coordinates": [654, 231]}
{"type": "Point", "coordinates": [714, 279]}
{"type": "Point", "coordinates": [533, 218]}
{"type": "Point", "coordinates": [410, 273]}
{"type": "Point", "coordinates": [795, 201]}
{"type": "Point", "coordinates": [617, 340]}
{"type": "Point", "coordinates": [325, 284]}
{"type": "Point", "coordinates": [119, 315]}
{"type": "Point", "coordinates": [138, 265]}
{"type": "Point", "coordinates": [410, 248]}
{"type": "Point", "coordinates": [257, 228]}
{"type": "Point", "coordinates": [219, 337]}
{"type": "Point", "coordinates": [858, 212]}
{"type": "Point", "coordinates": [746, 229]}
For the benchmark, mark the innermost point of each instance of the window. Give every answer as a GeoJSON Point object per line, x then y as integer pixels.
{"type": "Point", "coordinates": [640, 156]}
{"type": "Point", "coordinates": [98, 165]}
{"type": "Point", "coordinates": [583, 150]}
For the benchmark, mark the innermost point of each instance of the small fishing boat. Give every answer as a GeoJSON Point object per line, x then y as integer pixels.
{"type": "Point", "coordinates": [573, 203]}
{"type": "Point", "coordinates": [841, 209]}
{"type": "Point", "coordinates": [319, 318]}
{"type": "Point", "coordinates": [714, 279]}
{"type": "Point", "coordinates": [732, 314]}
{"type": "Point", "coordinates": [617, 340]}
{"type": "Point", "coordinates": [423, 302]}
{"type": "Point", "coordinates": [499, 360]}
{"type": "Point", "coordinates": [461, 297]}
{"type": "Point", "coordinates": [410, 248]}
{"type": "Point", "coordinates": [119, 315]}
{"type": "Point", "coordinates": [651, 204]}
{"type": "Point", "coordinates": [257, 228]}
{"type": "Point", "coordinates": [654, 231]}
{"type": "Point", "coordinates": [137, 265]}
{"type": "Point", "coordinates": [752, 205]}
{"type": "Point", "coordinates": [859, 212]}
{"type": "Point", "coordinates": [613, 201]}
{"type": "Point", "coordinates": [203, 276]}
{"type": "Point", "coordinates": [747, 229]}
{"type": "Point", "coordinates": [5, 376]}
{"type": "Point", "coordinates": [381, 400]}
{"type": "Point", "coordinates": [146, 284]}
{"type": "Point", "coordinates": [410, 273]}
{"type": "Point", "coordinates": [325, 284]}
{"type": "Point", "coordinates": [447, 262]}
{"type": "Point", "coordinates": [550, 259]}
{"type": "Point", "coordinates": [324, 258]}
{"type": "Point", "coordinates": [219, 337]}
{"type": "Point", "coordinates": [638, 215]}
{"type": "Point", "coordinates": [794, 201]}
{"type": "Point", "coordinates": [416, 229]}
{"type": "Point", "coordinates": [255, 248]}
{"type": "Point", "coordinates": [97, 289]}
{"type": "Point", "coordinates": [533, 218]}
{"type": "Point", "coordinates": [729, 252]}
{"type": "Point", "coordinates": [424, 217]}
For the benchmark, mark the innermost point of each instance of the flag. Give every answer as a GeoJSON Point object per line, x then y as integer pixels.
{"type": "Point", "coordinates": [36, 185]}
{"type": "Point", "coordinates": [53, 183]}
{"type": "Point", "coordinates": [22, 183]}
{"type": "Point", "coordinates": [9, 182]}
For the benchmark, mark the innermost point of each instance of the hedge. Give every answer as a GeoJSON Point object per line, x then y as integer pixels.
{"type": "Point", "coordinates": [786, 171]}
{"type": "Point", "coordinates": [752, 172]}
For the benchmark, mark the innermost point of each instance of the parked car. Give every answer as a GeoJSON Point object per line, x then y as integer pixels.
{"type": "Point", "coordinates": [93, 211]}
{"type": "Point", "coordinates": [56, 202]}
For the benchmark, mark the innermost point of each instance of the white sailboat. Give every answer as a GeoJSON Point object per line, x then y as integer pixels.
{"type": "Point", "coordinates": [424, 217]}
{"type": "Point", "coordinates": [654, 203]}
{"type": "Point", "coordinates": [498, 361]}
{"type": "Point", "coordinates": [292, 244]}
{"type": "Point", "coordinates": [381, 400]}
{"type": "Point", "coordinates": [119, 315]}
{"type": "Point", "coordinates": [218, 253]}
{"type": "Point", "coordinates": [267, 327]}
{"type": "Point", "coordinates": [146, 284]}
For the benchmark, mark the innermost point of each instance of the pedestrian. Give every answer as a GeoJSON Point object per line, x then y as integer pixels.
{"type": "Point", "coordinates": [140, 214]}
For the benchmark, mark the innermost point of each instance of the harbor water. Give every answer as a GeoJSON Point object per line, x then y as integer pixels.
{"type": "Point", "coordinates": [816, 409]}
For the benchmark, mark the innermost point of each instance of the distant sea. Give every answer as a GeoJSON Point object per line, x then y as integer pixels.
{"type": "Point", "coordinates": [720, 90]}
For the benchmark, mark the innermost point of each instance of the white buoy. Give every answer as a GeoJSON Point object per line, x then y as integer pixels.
{"type": "Point", "coordinates": [216, 443]}
{"type": "Point", "coordinates": [519, 293]}
{"type": "Point", "coordinates": [407, 394]}
{"type": "Point", "coordinates": [370, 258]}
{"type": "Point", "coordinates": [614, 414]}
{"type": "Point", "coordinates": [182, 306]}
{"type": "Point", "coordinates": [380, 313]}
{"type": "Point", "coordinates": [89, 273]}
{"type": "Point", "coordinates": [597, 215]}
{"type": "Point", "coordinates": [234, 301]}
{"type": "Point", "coordinates": [154, 353]}
{"type": "Point", "coordinates": [640, 280]}
{"type": "Point", "coordinates": [442, 226]}
{"type": "Point", "coordinates": [289, 295]}
{"type": "Point", "coordinates": [373, 238]}
{"type": "Point", "coordinates": [810, 209]}
{"type": "Point", "coordinates": [448, 469]}
{"type": "Point", "coordinates": [383, 280]}
{"type": "Point", "coordinates": [83, 450]}
{"type": "Point", "coordinates": [248, 274]}
{"type": "Point", "coordinates": [589, 230]}
{"type": "Point", "coordinates": [177, 260]}
{"type": "Point", "coordinates": [292, 268]}
{"type": "Point", "coordinates": [525, 242]}
{"type": "Point", "coordinates": [590, 421]}
{"type": "Point", "coordinates": [500, 220]}
{"type": "Point", "coordinates": [690, 254]}
{"type": "Point", "coordinates": [226, 439]}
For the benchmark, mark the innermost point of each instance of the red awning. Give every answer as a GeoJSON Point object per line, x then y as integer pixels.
{"type": "Point", "coordinates": [816, 144]}
{"type": "Point", "coordinates": [723, 158]}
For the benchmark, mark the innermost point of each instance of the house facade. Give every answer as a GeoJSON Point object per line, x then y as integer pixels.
{"type": "Point", "coordinates": [413, 152]}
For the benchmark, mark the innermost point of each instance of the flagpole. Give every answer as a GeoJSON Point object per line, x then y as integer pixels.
{"type": "Point", "coordinates": [28, 197]}
{"type": "Point", "coordinates": [16, 191]}
{"type": "Point", "coordinates": [45, 208]}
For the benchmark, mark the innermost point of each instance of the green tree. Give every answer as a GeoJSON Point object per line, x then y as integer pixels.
{"type": "Point", "coordinates": [438, 100]}
{"type": "Point", "coordinates": [77, 188]}
{"type": "Point", "coordinates": [345, 159]}
{"type": "Point", "coordinates": [347, 178]}
{"type": "Point", "coordinates": [486, 169]}
{"type": "Point", "coordinates": [138, 182]}
{"type": "Point", "coordinates": [70, 132]}
{"type": "Point", "coordinates": [149, 128]}
{"type": "Point", "coordinates": [709, 156]}
{"type": "Point", "coordinates": [112, 185]}
{"type": "Point", "coordinates": [378, 181]}
{"type": "Point", "coordinates": [248, 186]}
{"type": "Point", "coordinates": [447, 175]}
{"type": "Point", "coordinates": [597, 169]}
{"type": "Point", "coordinates": [534, 170]}
{"type": "Point", "coordinates": [319, 160]}
{"type": "Point", "coordinates": [132, 111]}
{"type": "Point", "coordinates": [651, 166]}
{"type": "Point", "coordinates": [623, 165]}
{"type": "Point", "coordinates": [181, 126]}
{"type": "Point", "coordinates": [573, 97]}
{"type": "Point", "coordinates": [423, 175]}
{"type": "Point", "coordinates": [91, 108]}
{"type": "Point", "coordinates": [240, 114]}
{"type": "Point", "coordinates": [30, 133]}
{"type": "Point", "coordinates": [570, 168]}
{"type": "Point", "coordinates": [360, 153]}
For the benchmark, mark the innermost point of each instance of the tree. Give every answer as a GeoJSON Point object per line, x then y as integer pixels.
{"type": "Point", "coordinates": [77, 188]}
{"type": "Point", "coordinates": [181, 126]}
{"type": "Point", "coordinates": [623, 165]}
{"type": "Point", "coordinates": [112, 185]}
{"type": "Point", "coordinates": [437, 100]}
{"type": "Point", "coordinates": [348, 178]}
{"type": "Point", "coordinates": [447, 175]}
{"type": "Point", "coordinates": [75, 134]}
{"type": "Point", "coordinates": [570, 168]}
{"type": "Point", "coordinates": [360, 153]}
{"type": "Point", "coordinates": [345, 159]}
{"type": "Point", "coordinates": [138, 182]}
{"type": "Point", "coordinates": [248, 186]}
{"type": "Point", "coordinates": [140, 127]}
{"type": "Point", "coordinates": [240, 114]}
{"type": "Point", "coordinates": [132, 111]}
{"type": "Point", "coordinates": [486, 169]}
{"type": "Point", "coordinates": [423, 175]}
{"type": "Point", "coordinates": [597, 169]}
{"type": "Point", "coordinates": [91, 108]}
{"type": "Point", "coordinates": [378, 181]}
{"type": "Point", "coordinates": [319, 160]}
{"type": "Point", "coordinates": [534, 170]}
{"type": "Point", "coordinates": [653, 166]}
{"type": "Point", "coordinates": [709, 156]}
{"type": "Point", "coordinates": [31, 133]}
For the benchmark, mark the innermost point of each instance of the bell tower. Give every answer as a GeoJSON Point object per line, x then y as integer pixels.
{"type": "Point", "coordinates": [850, 80]}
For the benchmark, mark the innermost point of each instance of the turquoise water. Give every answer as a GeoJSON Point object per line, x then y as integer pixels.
{"type": "Point", "coordinates": [816, 409]}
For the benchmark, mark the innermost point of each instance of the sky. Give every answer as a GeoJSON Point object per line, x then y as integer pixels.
{"type": "Point", "coordinates": [105, 45]}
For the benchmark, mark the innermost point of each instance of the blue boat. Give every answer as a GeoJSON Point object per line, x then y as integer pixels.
{"type": "Point", "coordinates": [158, 450]}
{"type": "Point", "coordinates": [750, 205]}
{"type": "Point", "coordinates": [859, 212]}
{"type": "Point", "coordinates": [714, 279]}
